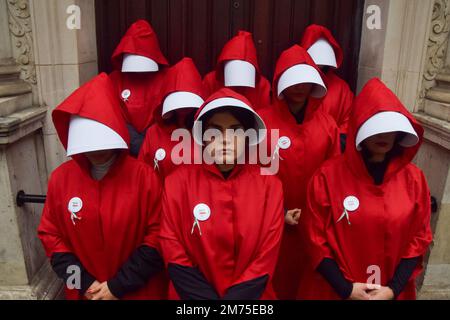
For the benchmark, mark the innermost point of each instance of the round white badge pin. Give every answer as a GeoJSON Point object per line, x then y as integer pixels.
{"type": "Point", "coordinates": [126, 94]}
{"type": "Point", "coordinates": [351, 203]}
{"type": "Point", "coordinates": [75, 205]}
{"type": "Point", "coordinates": [284, 143]}
{"type": "Point", "coordinates": [160, 154]}
{"type": "Point", "coordinates": [202, 212]}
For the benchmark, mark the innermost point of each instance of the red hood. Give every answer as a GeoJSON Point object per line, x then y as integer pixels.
{"type": "Point", "coordinates": [314, 32]}
{"type": "Point", "coordinates": [375, 97]}
{"type": "Point", "coordinates": [289, 58]}
{"type": "Point", "coordinates": [240, 47]}
{"type": "Point", "coordinates": [96, 100]}
{"type": "Point", "coordinates": [140, 39]}
{"type": "Point", "coordinates": [223, 93]}
{"type": "Point", "coordinates": [183, 76]}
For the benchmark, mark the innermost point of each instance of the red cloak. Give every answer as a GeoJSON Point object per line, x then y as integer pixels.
{"type": "Point", "coordinates": [183, 76]}
{"type": "Point", "coordinates": [311, 143]}
{"type": "Point", "coordinates": [392, 221]}
{"type": "Point", "coordinates": [119, 212]}
{"type": "Point", "coordinates": [144, 87]}
{"type": "Point", "coordinates": [240, 47]}
{"type": "Point", "coordinates": [339, 98]}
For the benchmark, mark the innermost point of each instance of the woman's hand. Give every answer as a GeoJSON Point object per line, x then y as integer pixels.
{"type": "Point", "coordinates": [101, 292]}
{"type": "Point", "coordinates": [361, 291]}
{"type": "Point", "coordinates": [384, 293]}
{"type": "Point", "coordinates": [93, 288]}
{"type": "Point", "coordinates": [292, 216]}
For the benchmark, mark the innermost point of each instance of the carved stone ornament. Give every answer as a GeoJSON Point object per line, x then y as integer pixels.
{"type": "Point", "coordinates": [22, 39]}
{"type": "Point", "coordinates": [437, 46]}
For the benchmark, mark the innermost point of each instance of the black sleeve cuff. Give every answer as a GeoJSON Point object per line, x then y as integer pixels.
{"type": "Point", "coordinates": [62, 261]}
{"type": "Point", "coordinates": [329, 269]}
{"type": "Point", "coordinates": [248, 290]}
{"type": "Point", "coordinates": [136, 140]}
{"type": "Point", "coordinates": [116, 288]}
{"type": "Point", "coordinates": [136, 271]}
{"type": "Point", "coordinates": [402, 275]}
{"type": "Point", "coordinates": [190, 283]}
{"type": "Point", "coordinates": [343, 141]}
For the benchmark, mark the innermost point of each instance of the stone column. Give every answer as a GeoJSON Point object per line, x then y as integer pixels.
{"type": "Point", "coordinates": [24, 271]}
{"type": "Point", "coordinates": [434, 158]}
{"type": "Point", "coordinates": [41, 63]}
{"type": "Point", "coordinates": [396, 52]}
{"type": "Point", "coordinates": [5, 47]}
{"type": "Point", "coordinates": [64, 58]}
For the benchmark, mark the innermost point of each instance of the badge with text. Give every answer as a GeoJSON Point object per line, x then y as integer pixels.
{"type": "Point", "coordinates": [351, 204]}
{"type": "Point", "coordinates": [74, 207]}
{"type": "Point", "coordinates": [201, 213]}
{"type": "Point", "coordinates": [126, 94]}
{"type": "Point", "coordinates": [284, 143]}
{"type": "Point", "coordinates": [160, 155]}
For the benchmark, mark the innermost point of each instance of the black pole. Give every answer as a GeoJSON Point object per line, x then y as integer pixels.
{"type": "Point", "coordinates": [434, 205]}
{"type": "Point", "coordinates": [23, 198]}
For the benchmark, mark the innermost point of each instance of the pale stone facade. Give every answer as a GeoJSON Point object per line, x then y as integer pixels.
{"type": "Point", "coordinates": [409, 53]}
{"type": "Point", "coordinates": [42, 61]}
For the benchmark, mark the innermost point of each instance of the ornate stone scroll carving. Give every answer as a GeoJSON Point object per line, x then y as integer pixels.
{"type": "Point", "coordinates": [22, 38]}
{"type": "Point", "coordinates": [437, 45]}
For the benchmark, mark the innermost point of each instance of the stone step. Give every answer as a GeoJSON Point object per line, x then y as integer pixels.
{"type": "Point", "coordinates": [443, 76]}
{"type": "Point", "coordinates": [436, 284]}
{"type": "Point", "coordinates": [20, 124]}
{"type": "Point", "coordinates": [14, 87]}
{"type": "Point", "coordinates": [437, 109]}
{"type": "Point", "coordinates": [13, 104]}
{"type": "Point", "coordinates": [9, 72]}
{"type": "Point", "coordinates": [439, 93]}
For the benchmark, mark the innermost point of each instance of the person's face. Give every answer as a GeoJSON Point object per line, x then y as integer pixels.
{"type": "Point", "coordinates": [99, 157]}
{"type": "Point", "coordinates": [298, 93]}
{"type": "Point", "coordinates": [380, 144]}
{"type": "Point", "coordinates": [230, 146]}
{"type": "Point", "coordinates": [184, 117]}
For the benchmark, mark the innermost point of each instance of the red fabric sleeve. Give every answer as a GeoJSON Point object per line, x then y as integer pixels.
{"type": "Point", "coordinates": [266, 257]}
{"type": "Point", "coordinates": [421, 235]}
{"type": "Point", "coordinates": [208, 83]}
{"type": "Point", "coordinates": [172, 248]}
{"type": "Point", "coordinates": [346, 105]}
{"type": "Point", "coordinates": [49, 230]}
{"type": "Point", "coordinates": [144, 153]}
{"type": "Point", "coordinates": [264, 94]}
{"type": "Point", "coordinates": [316, 217]}
{"type": "Point", "coordinates": [334, 136]}
{"type": "Point", "coordinates": [152, 201]}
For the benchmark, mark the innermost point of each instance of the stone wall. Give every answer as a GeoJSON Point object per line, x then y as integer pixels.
{"type": "Point", "coordinates": [64, 58]}
{"type": "Point", "coordinates": [41, 62]}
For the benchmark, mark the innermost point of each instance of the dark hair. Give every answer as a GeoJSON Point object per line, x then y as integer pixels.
{"type": "Point", "coordinates": [245, 117]}
{"type": "Point", "coordinates": [325, 69]}
{"type": "Point", "coordinates": [188, 121]}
